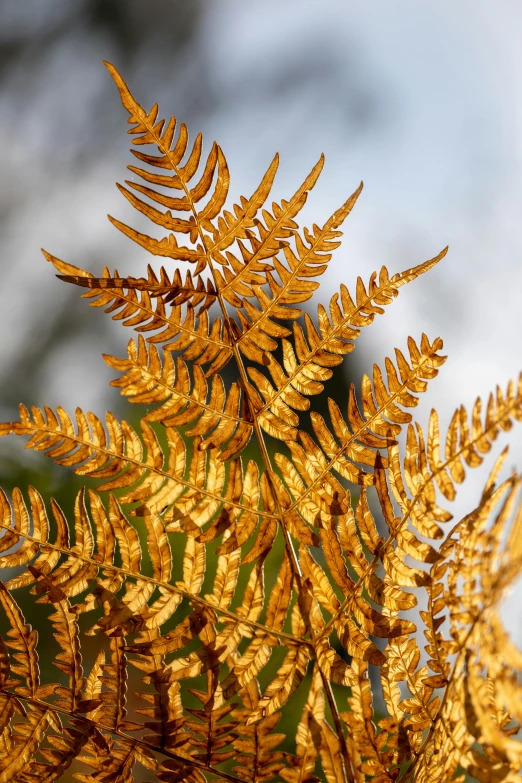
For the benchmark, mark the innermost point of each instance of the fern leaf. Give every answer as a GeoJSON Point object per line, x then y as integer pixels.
{"type": "Point", "coordinates": [308, 361]}
{"type": "Point", "coordinates": [62, 750]}
{"type": "Point", "coordinates": [30, 734]}
{"type": "Point", "coordinates": [210, 735]}
{"type": "Point", "coordinates": [195, 338]}
{"type": "Point", "coordinates": [350, 530]}
{"type": "Point", "coordinates": [256, 757]}
{"type": "Point", "coordinates": [22, 639]}
{"type": "Point", "coordinates": [308, 738]}
{"type": "Point", "coordinates": [376, 762]}
{"type": "Point", "coordinates": [295, 286]}
{"type": "Point", "coordinates": [118, 455]}
{"type": "Point", "coordinates": [148, 130]}
{"type": "Point", "coordinates": [238, 278]}
{"type": "Point", "coordinates": [376, 427]}
{"type": "Point", "coordinates": [289, 676]}
{"type": "Point", "coordinates": [219, 414]}
{"type": "Point", "coordinates": [175, 291]}
{"type": "Point", "coordinates": [330, 751]}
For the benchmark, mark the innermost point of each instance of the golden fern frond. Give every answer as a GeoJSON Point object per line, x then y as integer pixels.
{"type": "Point", "coordinates": [288, 585]}
{"type": "Point", "coordinates": [147, 129]}
{"type": "Point", "coordinates": [393, 553]}
{"type": "Point", "coordinates": [240, 278]}
{"type": "Point", "coordinates": [114, 760]}
{"type": "Point", "coordinates": [477, 707]}
{"type": "Point", "coordinates": [192, 336]}
{"type": "Point", "coordinates": [136, 611]}
{"type": "Point", "coordinates": [22, 639]}
{"type": "Point", "coordinates": [259, 651]}
{"type": "Point", "coordinates": [258, 329]}
{"type": "Point", "coordinates": [210, 733]}
{"type": "Point", "coordinates": [309, 736]}
{"type": "Point", "coordinates": [295, 286]}
{"type": "Point", "coordinates": [426, 470]}
{"type": "Point", "coordinates": [255, 755]}
{"type": "Point", "coordinates": [308, 473]}
{"type": "Point", "coordinates": [373, 760]}
{"type": "Point", "coordinates": [174, 291]}
{"type": "Point", "coordinates": [116, 453]}
{"type": "Point", "coordinates": [221, 414]}
{"type": "Point", "coordinates": [61, 750]}
{"type": "Point", "coordinates": [28, 735]}
{"type": "Point", "coordinates": [308, 359]}
{"type": "Point", "coordinates": [232, 227]}
{"type": "Point", "coordinates": [167, 722]}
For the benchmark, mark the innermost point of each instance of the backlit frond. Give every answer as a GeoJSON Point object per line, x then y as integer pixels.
{"type": "Point", "coordinates": [326, 344]}
{"type": "Point", "coordinates": [241, 278]}
{"type": "Point", "coordinates": [174, 291]}
{"type": "Point", "coordinates": [357, 439]}
{"type": "Point", "coordinates": [204, 594]}
{"type": "Point", "coordinates": [219, 414]}
{"type": "Point", "coordinates": [180, 329]}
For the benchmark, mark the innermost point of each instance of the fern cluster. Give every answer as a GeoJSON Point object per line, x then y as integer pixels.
{"type": "Point", "coordinates": [352, 520]}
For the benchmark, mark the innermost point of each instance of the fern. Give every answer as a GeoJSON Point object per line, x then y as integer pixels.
{"type": "Point", "coordinates": [220, 656]}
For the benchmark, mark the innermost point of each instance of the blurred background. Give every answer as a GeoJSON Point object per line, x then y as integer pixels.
{"type": "Point", "coordinates": [423, 101]}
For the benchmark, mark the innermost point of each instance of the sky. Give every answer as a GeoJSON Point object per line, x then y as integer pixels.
{"type": "Point", "coordinates": [421, 101]}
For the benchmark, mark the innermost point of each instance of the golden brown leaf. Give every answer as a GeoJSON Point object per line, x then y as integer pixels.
{"type": "Point", "coordinates": [247, 590]}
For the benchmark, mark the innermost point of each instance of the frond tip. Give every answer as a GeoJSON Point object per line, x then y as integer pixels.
{"type": "Point", "coordinates": [242, 562]}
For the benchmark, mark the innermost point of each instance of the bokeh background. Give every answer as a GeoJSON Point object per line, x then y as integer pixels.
{"type": "Point", "coordinates": [423, 101]}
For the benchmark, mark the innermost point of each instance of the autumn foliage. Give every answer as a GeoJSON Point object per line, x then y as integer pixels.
{"type": "Point", "coordinates": [380, 610]}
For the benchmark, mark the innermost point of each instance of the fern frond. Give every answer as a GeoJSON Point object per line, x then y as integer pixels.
{"type": "Point", "coordinates": [308, 359]}
{"type": "Point", "coordinates": [209, 733]}
{"type": "Point", "coordinates": [426, 471]}
{"type": "Point", "coordinates": [388, 550]}
{"type": "Point", "coordinates": [232, 227]}
{"type": "Point", "coordinates": [23, 640]}
{"type": "Point", "coordinates": [295, 286]}
{"type": "Point", "coordinates": [27, 737]}
{"type": "Point", "coordinates": [242, 278]}
{"type": "Point", "coordinates": [475, 556]}
{"type": "Point", "coordinates": [61, 750]}
{"type": "Point", "coordinates": [356, 441]}
{"type": "Point", "coordinates": [149, 130]}
{"type": "Point", "coordinates": [133, 610]}
{"type": "Point", "coordinates": [258, 329]}
{"type": "Point", "coordinates": [116, 453]}
{"type": "Point", "coordinates": [331, 757]}
{"type": "Point", "coordinates": [308, 738]}
{"type": "Point", "coordinates": [220, 414]}
{"type": "Point", "coordinates": [375, 761]}
{"type": "Point", "coordinates": [166, 719]}
{"type": "Point", "coordinates": [173, 291]}
{"type": "Point", "coordinates": [257, 654]}
{"type": "Point", "coordinates": [167, 574]}
{"type": "Point", "coordinates": [194, 337]}
{"type": "Point", "coordinates": [115, 761]}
